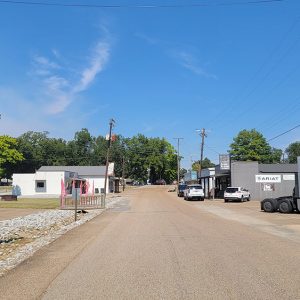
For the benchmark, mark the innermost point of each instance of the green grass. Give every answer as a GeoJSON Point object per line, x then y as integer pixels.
{"type": "Point", "coordinates": [33, 203]}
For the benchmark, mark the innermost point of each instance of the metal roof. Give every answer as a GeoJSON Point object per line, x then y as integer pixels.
{"type": "Point", "coordinates": [80, 170]}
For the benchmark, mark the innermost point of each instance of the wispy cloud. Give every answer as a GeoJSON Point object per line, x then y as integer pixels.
{"type": "Point", "coordinates": [183, 57]}
{"type": "Point", "coordinates": [58, 86]}
{"type": "Point", "coordinates": [44, 63]}
{"type": "Point", "coordinates": [191, 63]}
{"type": "Point", "coordinates": [97, 62]}
{"type": "Point", "coordinates": [146, 38]}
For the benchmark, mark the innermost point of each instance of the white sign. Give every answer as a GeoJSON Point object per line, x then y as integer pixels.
{"type": "Point", "coordinates": [267, 178]}
{"type": "Point", "coordinates": [288, 176]}
{"type": "Point", "coordinates": [224, 160]}
{"type": "Point", "coordinates": [268, 187]}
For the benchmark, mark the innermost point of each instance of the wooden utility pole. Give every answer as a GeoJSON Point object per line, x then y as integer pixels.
{"type": "Point", "coordinates": [178, 159]}
{"type": "Point", "coordinates": [111, 124]}
{"type": "Point", "coordinates": [123, 172]}
{"type": "Point", "coordinates": [203, 136]}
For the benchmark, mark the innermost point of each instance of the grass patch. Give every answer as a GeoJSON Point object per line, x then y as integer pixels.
{"type": "Point", "coordinates": [33, 203]}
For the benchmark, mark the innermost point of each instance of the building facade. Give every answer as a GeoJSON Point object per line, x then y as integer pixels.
{"type": "Point", "coordinates": [47, 180]}
{"type": "Point", "coordinates": [262, 180]}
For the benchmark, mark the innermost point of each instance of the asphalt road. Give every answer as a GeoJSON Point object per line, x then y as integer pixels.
{"type": "Point", "coordinates": [158, 246]}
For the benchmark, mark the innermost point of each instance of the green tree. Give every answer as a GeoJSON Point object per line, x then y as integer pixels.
{"type": "Point", "coordinates": [31, 144]}
{"type": "Point", "coordinates": [293, 150]}
{"type": "Point", "coordinates": [276, 155]}
{"type": "Point", "coordinates": [206, 163]}
{"type": "Point", "coordinates": [152, 158]}
{"type": "Point", "coordinates": [80, 149]}
{"type": "Point", "coordinates": [9, 155]}
{"type": "Point", "coordinates": [39, 150]}
{"type": "Point", "coordinates": [250, 145]}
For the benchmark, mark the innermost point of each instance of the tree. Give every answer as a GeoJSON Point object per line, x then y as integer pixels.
{"type": "Point", "coordinates": [9, 155]}
{"type": "Point", "coordinates": [80, 149]}
{"type": "Point", "coordinates": [250, 145]}
{"type": "Point", "coordinates": [152, 158]}
{"type": "Point", "coordinates": [293, 150]}
{"type": "Point", "coordinates": [276, 155]}
{"type": "Point", "coordinates": [39, 150]}
{"type": "Point", "coordinates": [206, 163]}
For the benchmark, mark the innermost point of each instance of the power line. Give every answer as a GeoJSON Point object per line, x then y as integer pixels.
{"type": "Point", "coordinates": [245, 94]}
{"type": "Point", "coordinates": [281, 134]}
{"type": "Point", "coordinates": [203, 4]}
{"type": "Point", "coordinates": [178, 158]}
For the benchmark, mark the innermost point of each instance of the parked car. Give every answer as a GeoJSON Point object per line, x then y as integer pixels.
{"type": "Point", "coordinates": [193, 191]}
{"type": "Point", "coordinates": [236, 194]}
{"type": "Point", "coordinates": [160, 182]}
{"type": "Point", "coordinates": [180, 189]}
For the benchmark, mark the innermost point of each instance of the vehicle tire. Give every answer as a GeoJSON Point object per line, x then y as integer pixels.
{"type": "Point", "coordinates": [242, 199]}
{"type": "Point", "coordinates": [201, 199]}
{"type": "Point", "coordinates": [285, 207]}
{"type": "Point", "coordinates": [225, 200]}
{"type": "Point", "coordinates": [248, 199]}
{"type": "Point", "coordinates": [268, 206]}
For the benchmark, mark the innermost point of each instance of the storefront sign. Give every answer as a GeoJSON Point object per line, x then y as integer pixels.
{"type": "Point", "coordinates": [268, 178]}
{"type": "Point", "coordinates": [224, 160]}
{"type": "Point", "coordinates": [288, 176]}
{"type": "Point", "coordinates": [268, 187]}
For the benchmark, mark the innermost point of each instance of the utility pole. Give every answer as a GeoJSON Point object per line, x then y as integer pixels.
{"type": "Point", "coordinates": [178, 159]}
{"type": "Point", "coordinates": [123, 172]}
{"type": "Point", "coordinates": [111, 125]}
{"type": "Point", "coordinates": [203, 136]}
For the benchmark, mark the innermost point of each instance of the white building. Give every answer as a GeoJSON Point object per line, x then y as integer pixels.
{"type": "Point", "coordinates": [47, 180]}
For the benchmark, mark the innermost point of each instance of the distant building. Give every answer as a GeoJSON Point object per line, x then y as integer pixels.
{"type": "Point", "coordinates": [190, 177]}
{"type": "Point", "coordinates": [47, 180]}
{"type": "Point", "coordinates": [262, 180]}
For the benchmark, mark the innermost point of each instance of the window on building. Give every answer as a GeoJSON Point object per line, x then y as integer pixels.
{"type": "Point", "coordinates": [40, 186]}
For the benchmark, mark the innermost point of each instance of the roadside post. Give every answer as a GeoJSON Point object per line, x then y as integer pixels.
{"type": "Point", "coordinates": [75, 195]}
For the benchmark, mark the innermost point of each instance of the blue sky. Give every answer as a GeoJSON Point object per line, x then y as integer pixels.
{"type": "Point", "coordinates": [159, 71]}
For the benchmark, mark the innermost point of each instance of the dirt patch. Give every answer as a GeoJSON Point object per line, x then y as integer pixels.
{"type": "Point", "coordinates": [11, 213]}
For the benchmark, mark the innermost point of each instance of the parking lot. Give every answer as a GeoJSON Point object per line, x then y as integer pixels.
{"type": "Point", "coordinates": [250, 214]}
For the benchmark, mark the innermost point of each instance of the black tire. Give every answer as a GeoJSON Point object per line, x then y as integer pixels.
{"type": "Point", "coordinates": [285, 207]}
{"type": "Point", "coordinates": [201, 199]}
{"type": "Point", "coordinates": [268, 206]}
{"type": "Point", "coordinates": [225, 200]}
{"type": "Point", "coordinates": [248, 199]}
{"type": "Point", "coordinates": [242, 199]}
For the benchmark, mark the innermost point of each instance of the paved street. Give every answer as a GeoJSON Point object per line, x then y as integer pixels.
{"type": "Point", "coordinates": [155, 245]}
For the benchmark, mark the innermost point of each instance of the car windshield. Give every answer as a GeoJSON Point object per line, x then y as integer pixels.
{"type": "Point", "coordinates": [196, 187]}
{"type": "Point", "coordinates": [231, 190]}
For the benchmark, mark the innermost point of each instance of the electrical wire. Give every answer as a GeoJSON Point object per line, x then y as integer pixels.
{"type": "Point", "coordinates": [243, 97]}
{"type": "Point", "coordinates": [192, 5]}
{"type": "Point", "coordinates": [281, 134]}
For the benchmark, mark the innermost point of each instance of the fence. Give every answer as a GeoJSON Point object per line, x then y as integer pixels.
{"type": "Point", "coordinates": [83, 202]}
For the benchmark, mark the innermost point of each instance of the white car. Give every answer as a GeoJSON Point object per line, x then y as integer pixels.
{"type": "Point", "coordinates": [194, 191]}
{"type": "Point", "coordinates": [236, 194]}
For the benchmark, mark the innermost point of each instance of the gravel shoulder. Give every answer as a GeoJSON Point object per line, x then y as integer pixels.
{"type": "Point", "coordinates": [22, 236]}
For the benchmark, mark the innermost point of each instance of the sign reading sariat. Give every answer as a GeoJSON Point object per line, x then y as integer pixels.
{"type": "Point", "coordinates": [267, 178]}
{"type": "Point", "coordinates": [224, 160]}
